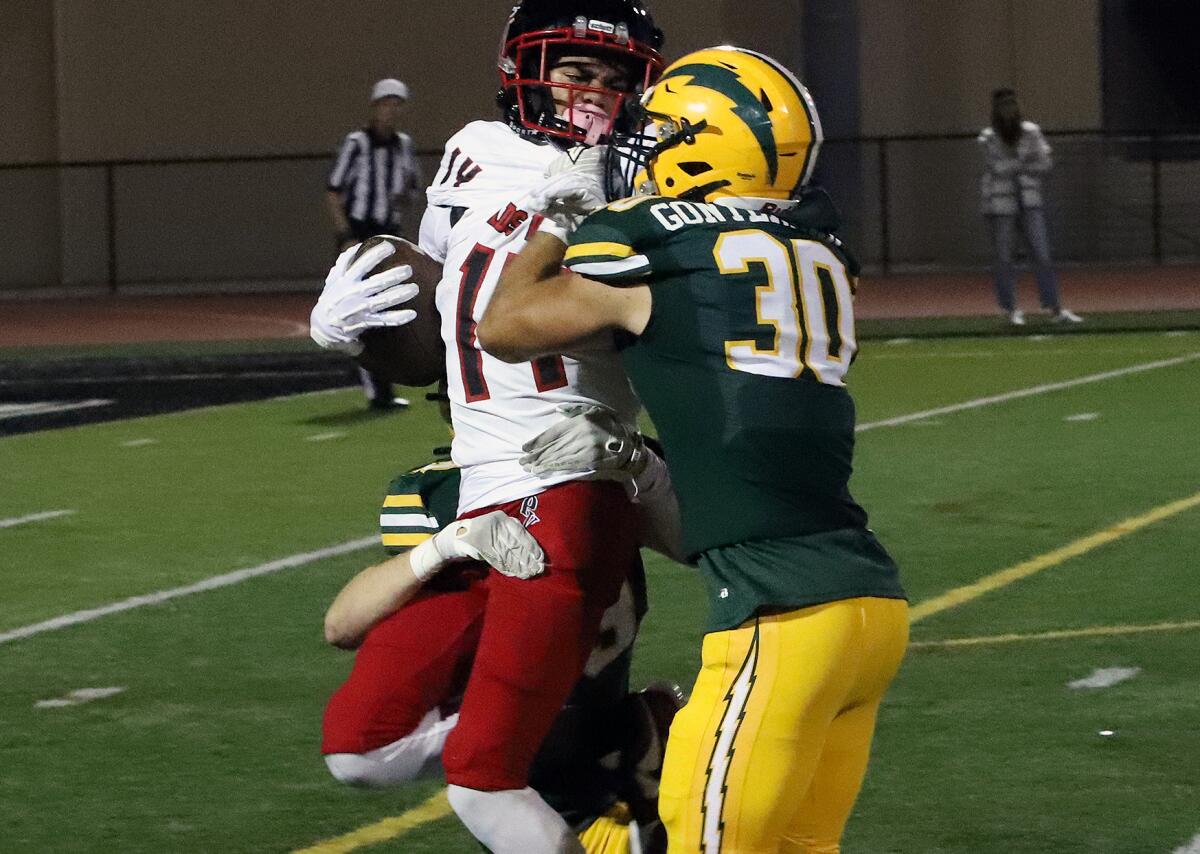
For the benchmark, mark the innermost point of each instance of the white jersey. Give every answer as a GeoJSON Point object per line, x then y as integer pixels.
{"type": "Point", "coordinates": [474, 224]}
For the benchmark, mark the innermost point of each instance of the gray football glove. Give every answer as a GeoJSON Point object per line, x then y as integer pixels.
{"type": "Point", "coordinates": [495, 538]}
{"type": "Point", "coordinates": [589, 438]}
{"type": "Point", "coordinates": [573, 188]}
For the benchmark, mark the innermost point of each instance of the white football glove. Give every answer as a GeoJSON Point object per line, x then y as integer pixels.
{"type": "Point", "coordinates": [495, 538]}
{"type": "Point", "coordinates": [589, 438]}
{"type": "Point", "coordinates": [574, 187]}
{"type": "Point", "coordinates": [351, 304]}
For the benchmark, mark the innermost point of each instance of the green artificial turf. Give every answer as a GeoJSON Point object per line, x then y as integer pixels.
{"type": "Point", "coordinates": [214, 743]}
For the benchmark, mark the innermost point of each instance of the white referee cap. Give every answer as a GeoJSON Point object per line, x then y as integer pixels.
{"type": "Point", "coordinates": [389, 88]}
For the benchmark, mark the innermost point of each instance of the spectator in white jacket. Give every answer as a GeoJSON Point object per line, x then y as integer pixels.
{"type": "Point", "coordinates": [1015, 157]}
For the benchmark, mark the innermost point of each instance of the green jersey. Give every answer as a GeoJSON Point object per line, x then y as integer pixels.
{"type": "Point", "coordinates": [419, 503]}
{"type": "Point", "coordinates": [742, 367]}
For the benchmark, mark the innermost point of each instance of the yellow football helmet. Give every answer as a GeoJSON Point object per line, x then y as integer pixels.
{"type": "Point", "coordinates": [731, 122]}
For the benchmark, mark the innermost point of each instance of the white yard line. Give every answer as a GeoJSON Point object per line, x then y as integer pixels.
{"type": "Point", "coordinates": [935, 355]}
{"type": "Point", "coordinates": [366, 542]}
{"type": "Point", "coordinates": [991, 400]}
{"type": "Point", "coordinates": [34, 517]}
{"type": "Point", "coordinates": [139, 443]}
{"type": "Point", "coordinates": [47, 407]}
{"type": "Point", "coordinates": [213, 407]}
{"type": "Point", "coordinates": [213, 583]}
{"type": "Point", "coordinates": [139, 378]}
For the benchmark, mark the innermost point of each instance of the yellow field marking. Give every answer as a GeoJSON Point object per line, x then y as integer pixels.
{"type": "Point", "coordinates": [1061, 634]}
{"type": "Point", "coordinates": [385, 829]}
{"type": "Point", "coordinates": [961, 595]}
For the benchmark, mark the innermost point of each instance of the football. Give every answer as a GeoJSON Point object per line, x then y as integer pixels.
{"type": "Point", "coordinates": [411, 354]}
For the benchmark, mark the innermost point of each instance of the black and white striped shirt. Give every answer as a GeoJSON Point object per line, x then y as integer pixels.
{"type": "Point", "coordinates": [370, 172]}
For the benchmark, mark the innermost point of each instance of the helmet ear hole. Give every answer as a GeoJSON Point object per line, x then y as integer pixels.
{"type": "Point", "coordinates": [766, 102]}
{"type": "Point", "coordinates": [695, 167]}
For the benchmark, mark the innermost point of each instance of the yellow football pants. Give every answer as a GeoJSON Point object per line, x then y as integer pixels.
{"type": "Point", "coordinates": [769, 753]}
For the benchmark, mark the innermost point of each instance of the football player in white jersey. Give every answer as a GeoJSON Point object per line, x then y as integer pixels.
{"type": "Point", "coordinates": [567, 68]}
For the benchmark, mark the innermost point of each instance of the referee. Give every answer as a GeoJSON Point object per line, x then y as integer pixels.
{"type": "Point", "coordinates": [375, 171]}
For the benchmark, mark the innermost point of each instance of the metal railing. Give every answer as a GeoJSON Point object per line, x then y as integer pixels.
{"type": "Point", "coordinates": [909, 203]}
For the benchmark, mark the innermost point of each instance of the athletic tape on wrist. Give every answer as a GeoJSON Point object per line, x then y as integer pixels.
{"type": "Point", "coordinates": [425, 560]}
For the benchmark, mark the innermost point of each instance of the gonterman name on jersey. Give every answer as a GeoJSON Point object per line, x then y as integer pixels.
{"type": "Point", "coordinates": [674, 215]}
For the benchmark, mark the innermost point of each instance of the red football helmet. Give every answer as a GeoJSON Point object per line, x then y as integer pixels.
{"type": "Point", "coordinates": [540, 32]}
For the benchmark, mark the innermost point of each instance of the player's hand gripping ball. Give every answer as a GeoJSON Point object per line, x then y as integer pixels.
{"type": "Point", "coordinates": [378, 305]}
{"type": "Point", "coordinates": [412, 353]}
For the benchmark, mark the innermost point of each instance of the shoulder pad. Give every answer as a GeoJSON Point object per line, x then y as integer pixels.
{"type": "Point", "coordinates": [624, 222]}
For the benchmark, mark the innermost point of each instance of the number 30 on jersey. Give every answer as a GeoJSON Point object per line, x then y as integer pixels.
{"type": "Point", "coordinates": [807, 299]}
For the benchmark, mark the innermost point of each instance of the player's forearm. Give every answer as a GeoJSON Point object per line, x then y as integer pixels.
{"type": "Point", "coordinates": [367, 598]}
{"type": "Point", "coordinates": [514, 326]}
{"type": "Point", "coordinates": [538, 309]}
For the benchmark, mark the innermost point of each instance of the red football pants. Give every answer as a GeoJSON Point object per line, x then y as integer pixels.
{"type": "Point", "coordinates": [530, 641]}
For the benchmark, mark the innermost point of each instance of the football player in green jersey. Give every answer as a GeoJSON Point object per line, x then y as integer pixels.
{"type": "Point", "coordinates": [733, 303]}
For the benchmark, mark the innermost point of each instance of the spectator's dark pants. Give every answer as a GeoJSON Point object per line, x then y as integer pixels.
{"type": "Point", "coordinates": [1004, 235]}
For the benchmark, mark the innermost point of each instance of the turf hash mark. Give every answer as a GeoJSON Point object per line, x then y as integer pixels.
{"type": "Point", "coordinates": [1104, 677]}
{"type": "Point", "coordinates": [385, 829]}
{"type": "Point", "coordinates": [325, 437]}
{"type": "Point", "coordinates": [78, 697]}
{"type": "Point", "coordinates": [1003, 578]}
{"type": "Point", "coordinates": [213, 583]}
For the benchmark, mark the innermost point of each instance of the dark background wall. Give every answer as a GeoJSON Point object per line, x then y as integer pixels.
{"type": "Point", "coordinates": [1151, 61]}
{"type": "Point", "coordinates": [106, 79]}
{"type": "Point", "coordinates": [95, 80]}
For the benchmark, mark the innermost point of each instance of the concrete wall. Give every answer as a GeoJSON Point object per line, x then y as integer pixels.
{"type": "Point", "coordinates": [177, 78]}
{"type": "Point", "coordinates": [27, 87]}
{"type": "Point", "coordinates": [129, 79]}
{"type": "Point", "coordinates": [929, 66]}
{"type": "Point", "coordinates": [29, 205]}
{"type": "Point", "coordinates": [108, 79]}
